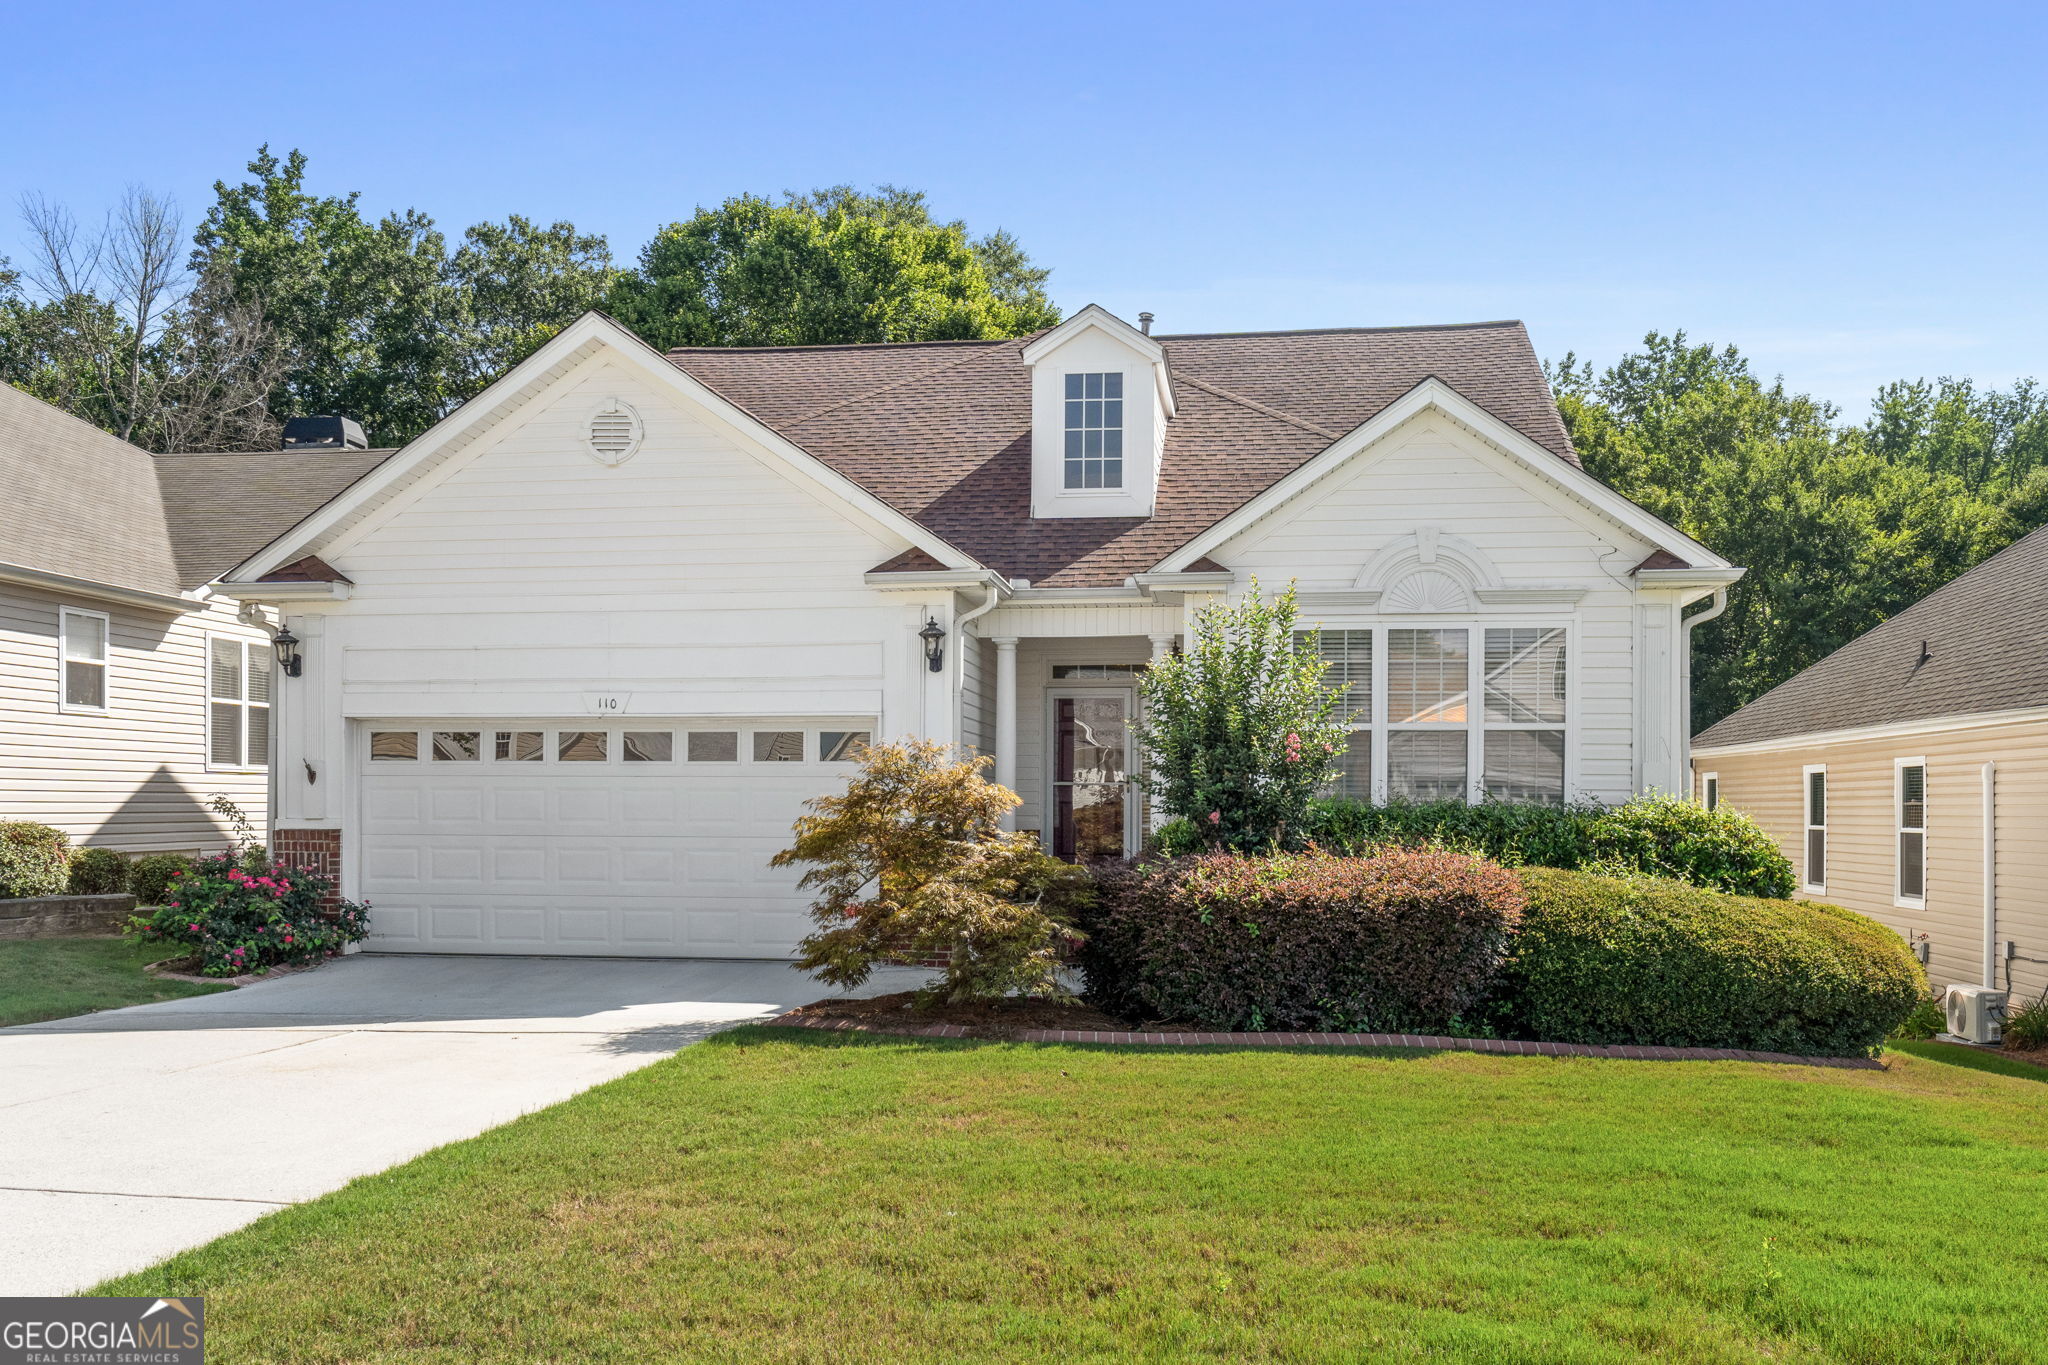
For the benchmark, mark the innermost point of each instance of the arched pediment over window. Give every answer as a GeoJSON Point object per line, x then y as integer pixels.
{"type": "Point", "coordinates": [1428, 571]}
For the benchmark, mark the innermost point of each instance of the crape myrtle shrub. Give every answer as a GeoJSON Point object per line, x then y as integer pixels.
{"type": "Point", "coordinates": [241, 918]}
{"type": "Point", "coordinates": [1407, 941]}
{"type": "Point", "coordinates": [1660, 836]}
{"type": "Point", "coordinates": [1652, 962]}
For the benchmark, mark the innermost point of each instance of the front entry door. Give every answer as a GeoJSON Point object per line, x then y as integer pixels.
{"type": "Point", "coordinates": [1091, 770]}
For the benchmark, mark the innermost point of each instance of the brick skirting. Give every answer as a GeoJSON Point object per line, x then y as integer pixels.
{"type": "Point", "coordinates": [1504, 1046]}
{"type": "Point", "coordinates": [317, 849]}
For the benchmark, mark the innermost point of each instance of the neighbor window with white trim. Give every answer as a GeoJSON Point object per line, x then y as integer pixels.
{"type": "Point", "coordinates": [82, 659]}
{"type": "Point", "coordinates": [1815, 777]}
{"type": "Point", "coordinates": [238, 702]}
{"type": "Point", "coordinates": [1911, 788]}
{"type": "Point", "coordinates": [1095, 430]}
{"type": "Point", "coordinates": [1414, 734]}
{"type": "Point", "coordinates": [1710, 790]}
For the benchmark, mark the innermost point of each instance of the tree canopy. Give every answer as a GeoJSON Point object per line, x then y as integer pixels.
{"type": "Point", "coordinates": [1840, 525]}
{"type": "Point", "coordinates": [835, 265]}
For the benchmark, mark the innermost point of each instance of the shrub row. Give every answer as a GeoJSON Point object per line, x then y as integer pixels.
{"type": "Point", "coordinates": [36, 860]}
{"type": "Point", "coordinates": [1407, 941]}
{"type": "Point", "coordinates": [1422, 941]}
{"type": "Point", "coordinates": [1661, 836]}
{"type": "Point", "coordinates": [1652, 962]}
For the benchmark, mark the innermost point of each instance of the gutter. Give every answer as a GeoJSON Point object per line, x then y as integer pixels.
{"type": "Point", "coordinates": [106, 592]}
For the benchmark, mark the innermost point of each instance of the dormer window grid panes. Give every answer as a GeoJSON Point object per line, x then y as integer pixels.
{"type": "Point", "coordinates": [1095, 430]}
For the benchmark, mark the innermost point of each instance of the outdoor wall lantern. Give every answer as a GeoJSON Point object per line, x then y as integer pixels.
{"type": "Point", "coordinates": [287, 645]}
{"type": "Point", "coordinates": [934, 637]}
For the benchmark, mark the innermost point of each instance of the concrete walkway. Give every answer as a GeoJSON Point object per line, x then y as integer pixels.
{"type": "Point", "coordinates": [128, 1135]}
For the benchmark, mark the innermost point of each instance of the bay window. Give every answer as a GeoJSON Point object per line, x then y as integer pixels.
{"type": "Point", "coordinates": [1415, 734]}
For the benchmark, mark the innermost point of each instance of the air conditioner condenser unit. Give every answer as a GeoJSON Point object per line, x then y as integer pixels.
{"type": "Point", "coordinates": [1976, 1014]}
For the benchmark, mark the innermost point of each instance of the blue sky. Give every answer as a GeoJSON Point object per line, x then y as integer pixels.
{"type": "Point", "coordinates": [1851, 193]}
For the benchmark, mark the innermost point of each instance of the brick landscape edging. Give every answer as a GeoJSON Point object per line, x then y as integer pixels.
{"type": "Point", "coordinates": [1506, 1046]}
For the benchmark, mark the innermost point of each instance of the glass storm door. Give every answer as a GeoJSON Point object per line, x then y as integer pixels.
{"type": "Point", "coordinates": [1091, 776]}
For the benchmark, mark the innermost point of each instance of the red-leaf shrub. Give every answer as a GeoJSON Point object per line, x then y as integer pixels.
{"type": "Point", "coordinates": [1408, 941]}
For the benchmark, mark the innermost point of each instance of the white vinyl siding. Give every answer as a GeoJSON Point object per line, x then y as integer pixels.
{"type": "Point", "coordinates": [1814, 868]}
{"type": "Point", "coordinates": [132, 776]}
{"type": "Point", "coordinates": [1909, 806]}
{"type": "Point", "coordinates": [238, 703]}
{"type": "Point", "coordinates": [82, 641]}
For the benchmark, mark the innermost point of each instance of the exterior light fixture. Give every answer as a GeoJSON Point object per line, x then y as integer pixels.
{"type": "Point", "coordinates": [934, 637]}
{"type": "Point", "coordinates": [287, 646]}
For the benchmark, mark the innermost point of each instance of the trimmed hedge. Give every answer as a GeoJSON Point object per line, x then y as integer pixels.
{"type": "Point", "coordinates": [98, 872]}
{"type": "Point", "coordinates": [35, 860]}
{"type": "Point", "coordinates": [1660, 836]}
{"type": "Point", "coordinates": [1404, 942]}
{"type": "Point", "coordinates": [1652, 962]}
{"type": "Point", "coordinates": [150, 877]}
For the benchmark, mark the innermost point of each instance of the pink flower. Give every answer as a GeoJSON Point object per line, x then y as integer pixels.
{"type": "Point", "coordinates": [287, 938]}
{"type": "Point", "coordinates": [1215, 817]}
{"type": "Point", "coordinates": [1293, 739]}
{"type": "Point", "coordinates": [193, 927]}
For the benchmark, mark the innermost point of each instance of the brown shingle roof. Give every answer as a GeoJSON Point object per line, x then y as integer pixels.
{"type": "Point", "coordinates": [223, 508]}
{"type": "Point", "coordinates": [78, 502]}
{"type": "Point", "coordinates": [1982, 632]}
{"type": "Point", "coordinates": [311, 569]}
{"type": "Point", "coordinates": [942, 430]}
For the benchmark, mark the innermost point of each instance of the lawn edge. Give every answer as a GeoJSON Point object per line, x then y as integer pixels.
{"type": "Point", "coordinates": [1420, 1042]}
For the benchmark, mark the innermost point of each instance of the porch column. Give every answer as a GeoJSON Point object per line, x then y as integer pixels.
{"type": "Point", "coordinates": [1162, 645]}
{"type": "Point", "coordinates": [1006, 718]}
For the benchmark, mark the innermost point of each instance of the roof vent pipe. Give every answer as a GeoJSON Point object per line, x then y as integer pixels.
{"type": "Point", "coordinates": [1145, 323]}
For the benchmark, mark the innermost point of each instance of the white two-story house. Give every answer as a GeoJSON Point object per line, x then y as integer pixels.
{"type": "Point", "coordinates": [569, 665]}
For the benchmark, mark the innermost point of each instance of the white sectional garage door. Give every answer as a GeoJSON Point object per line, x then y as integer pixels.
{"type": "Point", "coordinates": [638, 839]}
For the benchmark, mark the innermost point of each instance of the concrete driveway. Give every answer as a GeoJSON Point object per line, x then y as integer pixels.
{"type": "Point", "coordinates": [128, 1135]}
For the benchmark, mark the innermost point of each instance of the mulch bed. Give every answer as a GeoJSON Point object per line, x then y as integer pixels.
{"type": "Point", "coordinates": [173, 969]}
{"type": "Point", "coordinates": [1043, 1021]}
{"type": "Point", "coordinates": [898, 1013]}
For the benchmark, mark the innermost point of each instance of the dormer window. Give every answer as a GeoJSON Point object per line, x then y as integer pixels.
{"type": "Point", "coordinates": [1095, 430]}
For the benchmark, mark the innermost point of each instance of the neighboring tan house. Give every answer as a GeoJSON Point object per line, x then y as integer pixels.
{"type": "Point", "coordinates": [130, 692]}
{"type": "Point", "coordinates": [574, 659]}
{"type": "Point", "coordinates": [1876, 770]}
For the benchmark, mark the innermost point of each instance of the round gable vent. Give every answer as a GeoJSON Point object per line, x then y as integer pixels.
{"type": "Point", "coordinates": [613, 431]}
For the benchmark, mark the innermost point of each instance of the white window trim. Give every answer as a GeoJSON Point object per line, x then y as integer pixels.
{"type": "Point", "coordinates": [614, 731]}
{"type": "Point", "coordinates": [206, 691]}
{"type": "Point", "coordinates": [1122, 487]}
{"type": "Point", "coordinates": [1475, 725]}
{"type": "Point", "coordinates": [1710, 783]}
{"type": "Point", "coordinates": [1806, 827]}
{"type": "Point", "coordinates": [1899, 831]}
{"type": "Point", "coordinates": [105, 662]}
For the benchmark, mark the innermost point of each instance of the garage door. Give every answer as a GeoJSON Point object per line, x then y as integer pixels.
{"type": "Point", "coordinates": [640, 839]}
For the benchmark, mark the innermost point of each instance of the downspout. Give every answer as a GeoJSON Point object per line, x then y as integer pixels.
{"type": "Point", "coordinates": [960, 624]}
{"type": "Point", "coordinates": [1685, 685]}
{"type": "Point", "coordinates": [1990, 873]}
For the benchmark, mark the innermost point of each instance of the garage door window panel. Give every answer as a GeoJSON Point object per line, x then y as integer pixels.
{"type": "Point", "coordinates": [648, 746]}
{"type": "Point", "coordinates": [394, 746]}
{"type": "Point", "coordinates": [520, 746]}
{"type": "Point", "coordinates": [714, 746]}
{"type": "Point", "coordinates": [778, 746]}
{"type": "Point", "coordinates": [457, 746]}
{"type": "Point", "coordinates": [582, 746]}
{"type": "Point", "coordinates": [841, 746]}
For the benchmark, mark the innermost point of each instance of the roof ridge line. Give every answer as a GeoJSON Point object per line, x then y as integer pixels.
{"type": "Point", "coordinates": [893, 384]}
{"type": "Point", "coordinates": [1340, 331]}
{"type": "Point", "coordinates": [1256, 406]}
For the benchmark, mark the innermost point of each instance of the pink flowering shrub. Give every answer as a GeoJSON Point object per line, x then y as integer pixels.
{"type": "Point", "coordinates": [243, 916]}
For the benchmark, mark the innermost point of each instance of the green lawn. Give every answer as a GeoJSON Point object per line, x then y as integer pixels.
{"type": "Point", "coordinates": [781, 1196]}
{"type": "Point", "coordinates": [52, 978]}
